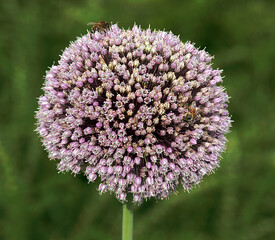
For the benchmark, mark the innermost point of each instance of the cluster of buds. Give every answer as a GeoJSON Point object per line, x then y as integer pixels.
{"type": "Point", "coordinates": [136, 108]}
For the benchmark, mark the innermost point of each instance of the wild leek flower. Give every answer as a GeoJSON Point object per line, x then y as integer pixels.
{"type": "Point", "coordinates": [136, 108]}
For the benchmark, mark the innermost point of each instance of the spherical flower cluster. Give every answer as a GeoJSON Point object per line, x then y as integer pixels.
{"type": "Point", "coordinates": [136, 108]}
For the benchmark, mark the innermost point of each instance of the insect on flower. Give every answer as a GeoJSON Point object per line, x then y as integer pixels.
{"type": "Point", "coordinates": [99, 26]}
{"type": "Point", "coordinates": [192, 113]}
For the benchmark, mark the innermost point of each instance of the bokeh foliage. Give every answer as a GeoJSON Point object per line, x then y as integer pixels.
{"type": "Point", "coordinates": [236, 203]}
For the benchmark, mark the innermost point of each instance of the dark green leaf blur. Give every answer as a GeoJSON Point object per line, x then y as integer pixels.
{"type": "Point", "coordinates": [238, 202]}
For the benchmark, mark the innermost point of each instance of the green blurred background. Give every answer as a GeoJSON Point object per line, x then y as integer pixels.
{"type": "Point", "coordinates": [238, 202]}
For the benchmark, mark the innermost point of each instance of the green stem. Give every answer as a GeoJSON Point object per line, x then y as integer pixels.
{"type": "Point", "coordinates": [127, 221]}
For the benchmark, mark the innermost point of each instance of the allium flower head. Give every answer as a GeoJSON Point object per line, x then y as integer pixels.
{"type": "Point", "coordinates": [136, 108]}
